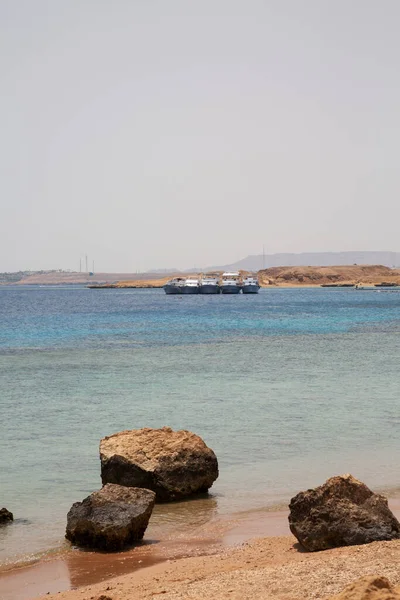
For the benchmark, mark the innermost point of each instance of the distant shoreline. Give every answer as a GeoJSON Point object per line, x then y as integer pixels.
{"type": "Point", "coordinates": [373, 286]}
{"type": "Point", "coordinates": [279, 277]}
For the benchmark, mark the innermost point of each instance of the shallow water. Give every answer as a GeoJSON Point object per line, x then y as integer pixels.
{"type": "Point", "coordinates": [288, 387]}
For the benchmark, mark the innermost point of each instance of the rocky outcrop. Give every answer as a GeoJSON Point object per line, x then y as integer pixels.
{"type": "Point", "coordinates": [110, 518]}
{"type": "Point", "coordinates": [5, 516]}
{"type": "Point", "coordinates": [370, 587]}
{"type": "Point", "coordinates": [174, 464]}
{"type": "Point", "coordinates": [367, 274]}
{"type": "Point", "coordinates": [342, 512]}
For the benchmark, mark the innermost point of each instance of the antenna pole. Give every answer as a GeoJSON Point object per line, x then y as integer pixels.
{"type": "Point", "coordinates": [86, 263]}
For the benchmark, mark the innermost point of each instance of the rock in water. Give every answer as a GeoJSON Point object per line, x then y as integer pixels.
{"type": "Point", "coordinates": [342, 512]}
{"type": "Point", "coordinates": [110, 518]}
{"type": "Point", "coordinates": [174, 464]}
{"type": "Point", "coordinates": [370, 587]}
{"type": "Point", "coordinates": [5, 516]}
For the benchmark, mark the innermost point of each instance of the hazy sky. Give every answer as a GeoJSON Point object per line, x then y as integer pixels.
{"type": "Point", "coordinates": [179, 133]}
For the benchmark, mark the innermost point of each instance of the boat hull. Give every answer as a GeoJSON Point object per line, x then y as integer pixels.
{"type": "Point", "coordinates": [230, 289]}
{"type": "Point", "coordinates": [172, 290]}
{"type": "Point", "coordinates": [209, 289]}
{"type": "Point", "coordinates": [186, 290]}
{"type": "Point", "coordinates": [250, 289]}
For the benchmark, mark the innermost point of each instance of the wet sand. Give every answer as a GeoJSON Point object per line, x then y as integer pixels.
{"type": "Point", "coordinates": [80, 574]}
{"type": "Point", "coordinates": [77, 568]}
{"type": "Point", "coordinates": [270, 568]}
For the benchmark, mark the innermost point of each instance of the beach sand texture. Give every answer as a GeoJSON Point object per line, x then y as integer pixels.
{"type": "Point", "coordinates": [267, 568]}
{"type": "Point", "coordinates": [226, 566]}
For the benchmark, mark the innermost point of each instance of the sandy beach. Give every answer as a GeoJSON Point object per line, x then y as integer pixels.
{"type": "Point", "coordinates": [267, 568]}
{"type": "Point", "coordinates": [76, 568]}
{"type": "Point", "coordinates": [254, 556]}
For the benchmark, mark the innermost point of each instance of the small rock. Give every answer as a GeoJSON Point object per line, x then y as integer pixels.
{"type": "Point", "coordinates": [110, 518]}
{"type": "Point", "coordinates": [342, 512]}
{"type": "Point", "coordinates": [5, 516]}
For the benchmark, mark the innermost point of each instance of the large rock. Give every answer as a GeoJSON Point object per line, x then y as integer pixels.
{"type": "Point", "coordinates": [175, 464]}
{"type": "Point", "coordinates": [370, 587]}
{"type": "Point", "coordinates": [5, 516]}
{"type": "Point", "coordinates": [110, 518]}
{"type": "Point", "coordinates": [342, 512]}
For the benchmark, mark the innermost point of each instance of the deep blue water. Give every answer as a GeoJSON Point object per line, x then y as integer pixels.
{"type": "Point", "coordinates": [288, 387]}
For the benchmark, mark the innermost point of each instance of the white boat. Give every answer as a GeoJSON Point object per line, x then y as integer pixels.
{"type": "Point", "coordinates": [230, 283]}
{"type": "Point", "coordinates": [209, 284]}
{"type": "Point", "coordinates": [250, 285]}
{"type": "Point", "coordinates": [191, 285]}
{"type": "Point", "coordinates": [174, 286]}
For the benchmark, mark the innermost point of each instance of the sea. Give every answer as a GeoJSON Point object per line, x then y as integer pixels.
{"type": "Point", "coordinates": [289, 387]}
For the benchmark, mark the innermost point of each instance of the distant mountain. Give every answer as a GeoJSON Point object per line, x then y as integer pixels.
{"type": "Point", "coordinates": [312, 259]}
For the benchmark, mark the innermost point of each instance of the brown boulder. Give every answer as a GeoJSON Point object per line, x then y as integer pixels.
{"type": "Point", "coordinates": [342, 512]}
{"type": "Point", "coordinates": [370, 587]}
{"type": "Point", "coordinates": [174, 464]}
{"type": "Point", "coordinates": [5, 516]}
{"type": "Point", "coordinates": [110, 518]}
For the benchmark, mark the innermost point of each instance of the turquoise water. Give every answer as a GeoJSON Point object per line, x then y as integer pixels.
{"type": "Point", "coordinates": [288, 387]}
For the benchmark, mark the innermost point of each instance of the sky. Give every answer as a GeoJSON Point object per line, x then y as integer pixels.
{"type": "Point", "coordinates": [173, 134]}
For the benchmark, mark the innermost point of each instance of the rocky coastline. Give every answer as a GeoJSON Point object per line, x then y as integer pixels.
{"type": "Point", "coordinates": [251, 556]}
{"type": "Point", "coordinates": [342, 513]}
{"type": "Point", "coordinates": [345, 542]}
{"type": "Point", "coordinates": [286, 277]}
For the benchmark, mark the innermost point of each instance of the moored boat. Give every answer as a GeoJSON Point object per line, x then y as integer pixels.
{"type": "Point", "coordinates": [191, 286]}
{"type": "Point", "coordinates": [230, 283]}
{"type": "Point", "coordinates": [250, 285]}
{"type": "Point", "coordinates": [209, 284]}
{"type": "Point", "coordinates": [174, 286]}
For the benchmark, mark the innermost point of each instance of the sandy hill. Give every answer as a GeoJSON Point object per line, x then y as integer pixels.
{"type": "Point", "coordinates": [366, 274]}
